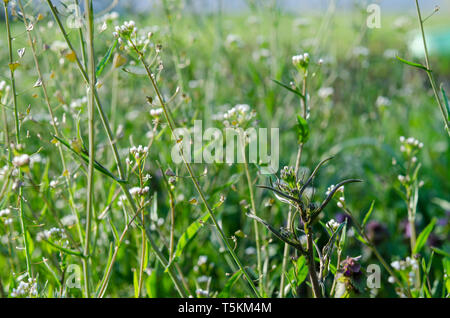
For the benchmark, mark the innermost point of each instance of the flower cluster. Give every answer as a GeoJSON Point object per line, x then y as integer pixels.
{"type": "Point", "coordinates": [409, 147]}
{"type": "Point", "coordinates": [21, 160]}
{"type": "Point", "coordinates": [240, 115]}
{"type": "Point", "coordinates": [127, 29]}
{"type": "Point", "coordinates": [333, 225]}
{"type": "Point", "coordinates": [341, 199]}
{"type": "Point", "coordinates": [137, 191]}
{"type": "Point", "coordinates": [156, 112]}
{"type": "Point", "coordinates": [410, 144]}
{"type": "Point", "coordinates": [25, 288]}
{"type": "Point", "coordinates": [301, 60]}
{"type": "Point", "coordinates": [407, 266]}
{"type": "Point", "coordinates": [53, 233]}
{"type": "Point", "coordinates": [5, 216]}
{"type": "Point", "coordinates": [287, 174]}
{"type": "Point", "coordinates": [351, 267]}
{"type": "Point", "coordinates": [139, 152]}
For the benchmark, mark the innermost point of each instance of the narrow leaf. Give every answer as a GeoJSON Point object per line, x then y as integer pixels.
{"type": "Point", "coordinates": [423, 67]}
{"type": "Point", "coordinates": [226, 291]}
{"type": "Point", "coordinates": [105, 59]}
{"type": "Point", "coordinates": [446, 102]}
{"type": "Point", "coordinates": [188, 235]}
{"type": "Point", "coordinates": [423, 236]}
{"type": "Point", "coordinates": [289, 88]}
{"type": "Point", "coordinates": [368, 214]}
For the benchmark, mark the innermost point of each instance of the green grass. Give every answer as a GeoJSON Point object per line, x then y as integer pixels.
{"type": "Point", "coordinates": [213, 76]}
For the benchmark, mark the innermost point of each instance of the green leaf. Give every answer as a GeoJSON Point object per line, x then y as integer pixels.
{"type": "Point", "coordinates": [423, 236]}
{"type": "Point", "coordinates": [302, 130]}
{"type": "Point", "coordinates": [440, 252]}
{"type": "Point", "coordinates": [188, 235]}
{"type": "Point", "coordinates": [226, 291]}
{"type": "Point", "coordinates": [296, 92]}
{"type": "Point", "coordinates": [368, 214]}
{"type": "Point", "coordinates": [423, 67]}
{"type": "Point", "coordinates": [105, 60]}
{"type": "Point", "coordinates": [445, 102]}
{"type": "Point", "coordinates": [97, 165]}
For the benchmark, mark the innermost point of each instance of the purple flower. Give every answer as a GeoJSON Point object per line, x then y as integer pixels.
{"type": "Point", "coordinates": [341, 217]}
{"type": "Point", "coordinates": [376, 231]}
{"type": "Point", "coordinates": [434, 240]}
{"type": "Point", "coordinates": [351, 267]}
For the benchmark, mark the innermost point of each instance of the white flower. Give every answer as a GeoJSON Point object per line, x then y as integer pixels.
{"type": "Point", "coordinates": [202, 259]}
{"type": "Point", "coordinates": [333, 225]}
{"type": "Point", "coordinates": [21, 160]}
{"type": "Point", "coordinates": [325, 92]}
{"type": "Point", "coordinates": [156, 111]}
{"type": "Point", "coordinates": [382, 101]}
{"type": "Point", "coordinates": [53, 183]}
{"type": "Point", "coordinates": [396, 265]}
{"type": "Point", "coordinates": [5, 212]}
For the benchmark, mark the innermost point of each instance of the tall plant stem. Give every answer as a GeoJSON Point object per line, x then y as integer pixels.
{"type": "Point", "coordinates": [430, 73]}
{"type": "Point", "coordinates": [91, 146]}
{"type": "Point", "coordinates": [17, 131]}
{"type": "Point", "coordinates": [191, 173]}
{"type": "Point", "coordinates": [311, 263]}
{"type": "Point", "coordinates": [159, 255]}
{"type": "Point", "coordinates": [55, 128]}
{"type": "Point", "coordinates": [255, 223]}
{"type": "Point", "coordinates": [297, 168]}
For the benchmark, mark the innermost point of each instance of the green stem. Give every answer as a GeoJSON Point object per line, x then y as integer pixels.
{"type": "Point", "coordinates": [91, 103]}
{"type": "Point", "coordinates": [429, 72]}
{"type": "Point", "coordinates": [55, 128]}
{"type": "Point", "coordinates": [192, 175]}
{"type": "Point", "coordinates": [17, 131]}
{"type": "Point", "coordinates": [255, 223]}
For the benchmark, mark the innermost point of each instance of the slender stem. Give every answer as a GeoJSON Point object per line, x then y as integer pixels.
{"type": "Point", "coordinates": [255, 223]}
{"type": "Point", "coordinates": [91, 103]}
{"type": "Point", "coordinates": [296, 170]}
{"type": "Point", "coordinates": [311, 263]}
{"type": "Point", "coordinates": [430, 73]}
{"type": "Point", "coordinates": [55, 128]}
{"type": "Point", "coordinates": [17, 131]}
{"type": "Point", "coordinates": [191, 173]}
{"type": "Point", "coordinates": [112, 143]}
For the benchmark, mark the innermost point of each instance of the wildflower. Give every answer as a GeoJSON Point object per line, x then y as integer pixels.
{"type": "Point", "coordinates": [69, 220]}
{"type": "Point", "coordinates": [25, 288]}
{"type": "Point", "coordinates": [333, 225]}
{"type": "Point", "coordinates": [53, 233]}
{"type": "Point", "coordinates": [351, 267]}
{"type": "Point", "coordinates": [241, 115]}
{"type": "Point", "coordinates": [155, 112]}
{"type": "Point", "coordinates": [382, 101]}
{"type": "Point", "coordinates": [325, 92]}
{"type": "Point", "coordinates": [21, 160]}
{"type": "Point", "coordinates": [139, 191]}
{"type": "Point", "coordinates": [202, 259]}
{"type": "Point", "coordinates": [376, 231]}
{"type": "Point", "coordinates": [5, 212]}
{"type": "Point", "coordinates": [301, 60]}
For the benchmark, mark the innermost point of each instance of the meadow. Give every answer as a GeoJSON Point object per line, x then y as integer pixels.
{"type": "Point", "coordinates": [93, 204]}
